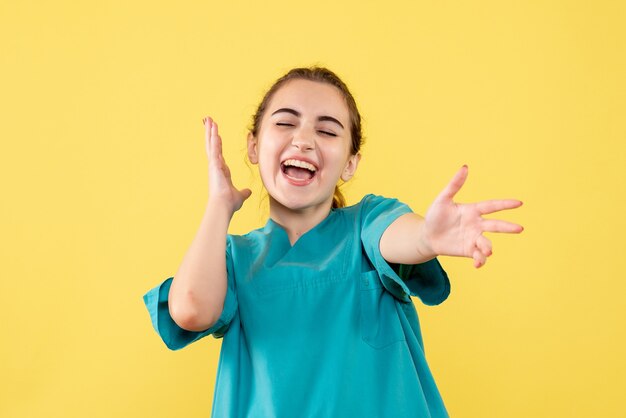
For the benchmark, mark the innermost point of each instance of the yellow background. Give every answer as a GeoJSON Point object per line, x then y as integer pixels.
{"type": "Point", "coordinates": [103, 174]}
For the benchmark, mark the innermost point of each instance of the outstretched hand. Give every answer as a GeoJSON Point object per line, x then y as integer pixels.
{"type": "Point", "coordinates": [456, 229]}
{"type": "Point", "coordinates": [221, 189]}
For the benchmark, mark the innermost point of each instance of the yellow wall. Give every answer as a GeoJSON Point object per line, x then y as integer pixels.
{"type": "Point", "coordinates": [103, 176]}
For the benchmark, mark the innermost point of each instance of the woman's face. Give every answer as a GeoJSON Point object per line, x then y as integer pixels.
{"type": "Point", "coordinates": [303, 144]}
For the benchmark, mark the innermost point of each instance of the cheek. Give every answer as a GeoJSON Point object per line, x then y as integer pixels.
{"type": "Point", "coordinates": [337, 158]}
{"type": "Point", "coordinates": [268, 162]}
{"type": "Point", "coordinates": [267, 156]}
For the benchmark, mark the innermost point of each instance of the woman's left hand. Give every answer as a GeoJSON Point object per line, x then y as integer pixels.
{"type": "Point", "coordinates": [456, 229]}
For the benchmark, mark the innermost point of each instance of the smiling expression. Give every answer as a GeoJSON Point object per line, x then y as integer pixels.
{"type": "Point", "coordinates": [303, 145]}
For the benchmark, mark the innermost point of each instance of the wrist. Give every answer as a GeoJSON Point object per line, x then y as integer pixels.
{"type": "Point", "coordinates": [424, 246]}
{"type": "Point", "coordinates": [217, 207]}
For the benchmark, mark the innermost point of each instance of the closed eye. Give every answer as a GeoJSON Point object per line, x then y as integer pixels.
{"type": "Point", "coordinates": [289, 124]}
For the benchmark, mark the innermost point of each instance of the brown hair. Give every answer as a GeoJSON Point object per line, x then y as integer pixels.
{"type": "Point", "coordinates": [322, 75]}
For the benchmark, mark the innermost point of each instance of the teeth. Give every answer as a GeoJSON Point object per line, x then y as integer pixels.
{"type": "Point", "coordinates": [301, 164]}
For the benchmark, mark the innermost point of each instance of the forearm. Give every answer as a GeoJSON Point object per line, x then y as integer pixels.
{"type": "Point", "coordinates": [403, 242]}
{"type": "Point", "coordinates": [197, 294]}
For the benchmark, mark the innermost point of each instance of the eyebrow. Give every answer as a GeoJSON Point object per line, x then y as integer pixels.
{"type": "Point", "coordinates": [296, 113]}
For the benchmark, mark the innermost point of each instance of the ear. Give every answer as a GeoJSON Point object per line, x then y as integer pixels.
{"type": "Point", "coordinates": [351, 166]}
{"type": "Point", "coordinates": [253, 155]}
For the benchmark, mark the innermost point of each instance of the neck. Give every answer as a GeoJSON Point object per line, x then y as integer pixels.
{"type": "Point", "coordinates": [297, 222]}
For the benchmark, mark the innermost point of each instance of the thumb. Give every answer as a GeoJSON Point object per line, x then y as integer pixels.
{"type": "Point", "coordinates": [245, 193]}
{"type": "Point", "coordinates": [454, 186]}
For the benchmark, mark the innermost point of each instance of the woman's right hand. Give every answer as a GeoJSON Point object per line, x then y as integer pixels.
{"type": "Point", "coordinates": [221, 189]}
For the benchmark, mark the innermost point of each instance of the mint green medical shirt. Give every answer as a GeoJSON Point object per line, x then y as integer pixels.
{"type": "Point", "coordinates": [323, 328]}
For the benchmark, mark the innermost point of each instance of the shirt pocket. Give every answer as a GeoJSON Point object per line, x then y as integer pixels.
{"type": "Point", "coordinates": [379, 321]}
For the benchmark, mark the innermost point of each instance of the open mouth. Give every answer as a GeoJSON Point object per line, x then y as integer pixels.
{"type": "Point", "coordinates": [300, 172]}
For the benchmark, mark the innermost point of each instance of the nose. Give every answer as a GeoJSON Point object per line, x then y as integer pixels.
{"type": "Point", "coordinates": [303, 140]}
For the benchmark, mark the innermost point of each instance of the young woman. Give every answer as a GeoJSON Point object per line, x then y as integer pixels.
{"type": "Point", "coordinates": [315, 307]}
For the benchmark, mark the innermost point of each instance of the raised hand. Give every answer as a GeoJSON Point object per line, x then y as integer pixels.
{"type": "Point", "coordinates": [221, 189]}
{"type": "Point", "coordinates": [456, 229]}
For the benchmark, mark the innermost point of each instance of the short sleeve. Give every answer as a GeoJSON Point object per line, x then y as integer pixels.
{"type": "Point", "coordinates": [427, 280]}
{"type": "Point", "coordinates": [175, 337]}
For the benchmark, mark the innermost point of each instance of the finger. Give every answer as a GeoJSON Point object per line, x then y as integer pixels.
{"type": "Point", "coordinates": [479, 258]}
{"type": "Point", "coordinates": [218, 140]}
{"type": "Point", "coordinates": [224, 167]}
{"type": "Point", "coordinates": [491, 206]}
{"type": "Point", "coordinates": [455, 184]}
{"type": "Point", "coordinates": [207, 135]}
{"type": "Point", "coordinates": [216, 146]}
{"type": "Point", "coordinates": [220, 157]}
{"type": "Point", "coordinates": [484, 245]}
{"type": "Point", "coordinates": [496, 225]}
